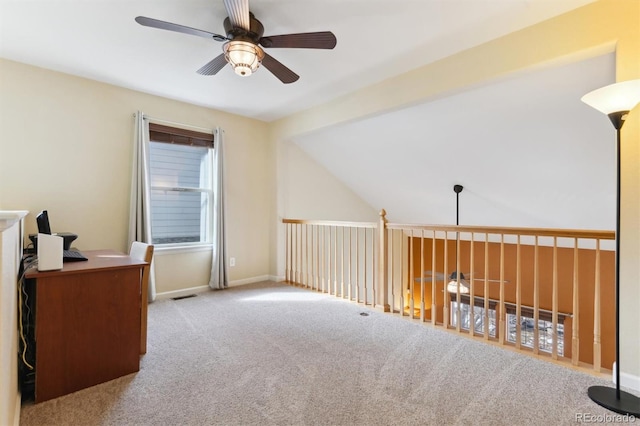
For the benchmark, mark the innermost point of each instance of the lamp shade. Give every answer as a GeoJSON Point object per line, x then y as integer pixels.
{"type": "Point", "coordinates": [243, 56]}
{"type": "Point", "coordinates": [617, 97]}
{"type": "Point", "coordinates": [452, 287]}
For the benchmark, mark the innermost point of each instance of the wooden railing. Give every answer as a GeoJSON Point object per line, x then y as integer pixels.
{"type": "Point", "coordinates": [333, 257]}
{"type": "Point", "coordinates": [538, 290]}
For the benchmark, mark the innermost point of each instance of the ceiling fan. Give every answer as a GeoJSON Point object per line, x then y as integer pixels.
{"type": "Point", "coordinates": [453, 280]}
{"type": "Point", "coordinates": [452, 286]}
{"type": "Point", "coordinates": [244, 43]}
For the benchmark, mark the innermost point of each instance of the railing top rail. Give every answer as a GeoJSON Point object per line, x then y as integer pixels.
{"type": "Point", "coordinates": [336, 223]}
{"type": "Point", "coordinates": [541, 232]}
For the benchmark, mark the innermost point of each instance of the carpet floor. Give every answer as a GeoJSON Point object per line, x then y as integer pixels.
{"type": "Point", "coordinates": [272, 354]}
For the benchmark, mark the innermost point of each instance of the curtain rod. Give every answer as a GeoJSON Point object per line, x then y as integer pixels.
{"type": "Point", "coordinates": [181, 125]}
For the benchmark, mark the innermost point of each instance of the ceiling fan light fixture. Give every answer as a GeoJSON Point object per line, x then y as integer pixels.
{"type": "Point", "coordinates": [452, 287]}
{"type": "Point", "coordinates": [245, 57]}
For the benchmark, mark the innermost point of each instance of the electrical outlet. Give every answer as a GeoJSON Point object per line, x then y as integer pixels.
{"type": "Point", "coordinates": [232, 261]}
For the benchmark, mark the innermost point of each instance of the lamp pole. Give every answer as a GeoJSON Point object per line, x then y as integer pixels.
{"type": "Point", "coordinates": [458, 189]}
{"type": "Point", "coordinates": [616, 100]}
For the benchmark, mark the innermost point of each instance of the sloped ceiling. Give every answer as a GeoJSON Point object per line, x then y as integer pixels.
{"type": "Point", "coordinates": [526, 149]}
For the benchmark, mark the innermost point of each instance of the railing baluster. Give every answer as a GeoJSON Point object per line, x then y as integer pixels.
{"type": "Point", "coordinates": [486, 286]}
{"type": "Point", "coordinates": [329, 258]}
{"type": "Point", "coordinates": [472, 297]}
{"type": "Point", "coordinates": [597, 349]}
{"type": "Point", "coordinates": [357, 266]}
{"type": "Point", "coordinates": [536, 298]}
{"type": "Point", "coordinates": [403, 286]}
{"type": "Point", "coordinates": [434, 308]}
{"type": "Point", "coordinates": [350, 281]}
{"type": "Point", "coordinates": [335, 261]}
{"type": "Point", "coordinates": [317, 270]}
{"type": "Point", "coordinates": [374, 263]}
{"type": "Point", "coordinates": [306, 250]}
{"type": "Point", "coordinates": [458, 311]}
{"type": "Point", "coordinates": [323, 256]}
{"type": "Point", "coordinates": [295, 254]}
{"type": "Point", "coordinates": [287, 250]}
{"type": "Point", "coordinates": [392, 271]}
{"type": "Point", "coordinates": [411, 277]}
{"type": "Point", "coordinates": [342, 292]}
{"type": "Point", "coordinates": [310, 255]}
{"type": "Point", "coordinates": [575, 337]}
{"type": "Point", "coordinates": [299, 254]}
{"type": "Point", "coordinates": [503, 313]}
{"type": "Point", "coordinates": [446, 303]}
{"type": "Point", "coordinates": [518, 294]}
{"type": "Point", "coordinates": [365, 289]}
{"type": "Point", "coordinates": [554, 301]}
{"type": "Point", "coordinates": [422, 305]}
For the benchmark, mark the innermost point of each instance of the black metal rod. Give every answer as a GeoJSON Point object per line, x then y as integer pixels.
{"type": "Point", "coordinates": [457, 208]}
{"type": "Point", "coordinates": [617, 286]}
{"type": "Point", "coordinates": [615, 399]}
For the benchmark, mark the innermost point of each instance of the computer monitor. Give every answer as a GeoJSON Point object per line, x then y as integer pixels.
{"type": "Point", "coordinates": [43, 222]}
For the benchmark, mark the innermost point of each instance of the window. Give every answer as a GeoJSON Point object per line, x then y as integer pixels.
{"type": "Point", "coordinates": [181, 163]}
{"type": "Point", "coordinates": [545, 323]}
{"type": "Point", "coordinates": [545, 330]}
{"type": "Point", "coordinates": [478, 315]}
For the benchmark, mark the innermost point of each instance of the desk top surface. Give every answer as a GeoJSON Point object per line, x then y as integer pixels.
{"type": "Point", "coordinates": [97, 260]}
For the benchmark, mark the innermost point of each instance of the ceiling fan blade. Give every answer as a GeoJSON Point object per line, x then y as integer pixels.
{"type": "Point", "coordinates": [438, 275]}
{"type": "Point", "coordinates": [283, 73]}
{"type": "Point", "coordinates": [156, 23]}
{"type": "Point", "coordinates": [490, 280]}
{"type": "Point", "coordinates": [213, 66]}
{"type": "Point", "coordinates": [317, 40]}
{"type": "Point", "coordinates": [238, 11]}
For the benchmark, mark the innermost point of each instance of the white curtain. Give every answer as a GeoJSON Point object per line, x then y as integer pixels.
{"type": "Point", "coordinates": [219, 278]}
{"type": "Point", "coordinates": [140, 204]}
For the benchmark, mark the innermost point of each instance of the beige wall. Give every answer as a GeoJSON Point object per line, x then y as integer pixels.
{"type": "Point", "coordinates": [603, 26]}
{"type": "Point", "coordinates": [66, 147]}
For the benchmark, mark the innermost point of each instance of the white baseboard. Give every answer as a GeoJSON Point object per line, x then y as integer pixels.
{"type": "Point", "coordinates": [193, 290]}
{"type": "Point", "coordinates": [182, 292]}
{"type": "Point", "coordinates": [627, 380]}
{"type": "Point", "coordinates": [251, 280]}
{"type": "Point", "coordinates": [16, 412]}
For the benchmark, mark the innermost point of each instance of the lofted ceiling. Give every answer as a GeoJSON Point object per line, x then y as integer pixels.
{"type": "Point", "coordinates": [99, 39]}
{"type": "Point", "coordinates": [519, 146]}
{"type": "Point", "coordinates": [526, 149]}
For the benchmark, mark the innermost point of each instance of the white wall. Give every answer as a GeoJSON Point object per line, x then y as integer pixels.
{"type": "Point", "coordinates": [306, 190]}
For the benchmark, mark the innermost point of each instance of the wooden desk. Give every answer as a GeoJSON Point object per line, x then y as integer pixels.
{"type": "Point", "coordinates": [87, 322]}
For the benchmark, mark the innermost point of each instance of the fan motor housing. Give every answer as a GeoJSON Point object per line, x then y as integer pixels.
{"type": "Point", "coordinates": [256, 29]}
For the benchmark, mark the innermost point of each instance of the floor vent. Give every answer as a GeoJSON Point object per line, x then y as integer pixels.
{"type": "Point", "coordinates": [183, 297]}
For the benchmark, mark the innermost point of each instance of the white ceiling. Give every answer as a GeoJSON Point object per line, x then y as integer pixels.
{"type": "Point", "coordinates": [527, 151]}
{"type": "Point", "coordinates": [99, 39]}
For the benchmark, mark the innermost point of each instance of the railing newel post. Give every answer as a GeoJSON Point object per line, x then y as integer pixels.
{"type": "Point", "coordinates": [383, 279]}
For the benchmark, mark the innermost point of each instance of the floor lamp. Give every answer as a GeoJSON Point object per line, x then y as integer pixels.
{"type": "Point", "coordinates": [616, 100]}
{"type": "Point", "coordinates": [457, 277]}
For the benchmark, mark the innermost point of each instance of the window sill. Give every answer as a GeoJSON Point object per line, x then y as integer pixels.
{"type": "Point", "coordinates": [175, 249]}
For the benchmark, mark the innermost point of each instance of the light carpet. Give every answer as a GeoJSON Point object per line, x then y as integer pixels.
{"type": "Point", "coordinates": [272, 354]}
